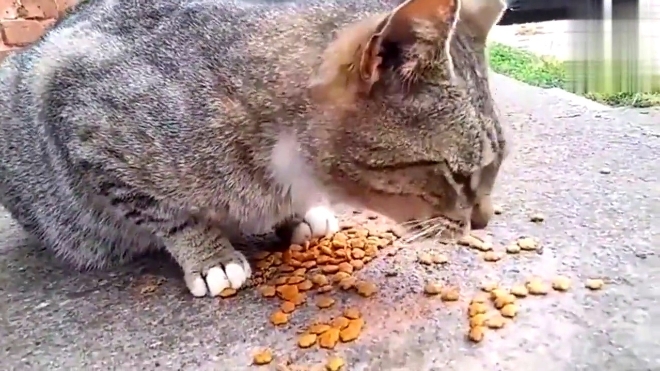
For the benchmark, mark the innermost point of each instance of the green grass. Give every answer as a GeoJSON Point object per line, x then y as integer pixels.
{"type": "Point", "coordinates": [549, 73]}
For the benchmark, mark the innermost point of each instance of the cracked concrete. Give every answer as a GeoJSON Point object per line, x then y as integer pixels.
{"type": "Point", "coordinates": [593, 173]}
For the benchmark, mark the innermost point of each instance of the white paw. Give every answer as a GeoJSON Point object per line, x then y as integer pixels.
{"type": "Point", "coordinates": [233, 273]}
{"type": "Point", "coordinates": [319, 221]}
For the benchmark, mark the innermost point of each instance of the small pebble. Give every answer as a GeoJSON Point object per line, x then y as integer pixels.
{"type": "Point", "coordinates": [537, 218]}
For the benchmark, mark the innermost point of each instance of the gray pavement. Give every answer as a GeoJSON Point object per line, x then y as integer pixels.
{"type": "Point", "coordinates": [599, 224]}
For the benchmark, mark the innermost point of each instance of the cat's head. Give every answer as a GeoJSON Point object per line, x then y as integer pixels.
{"type": "Point", "coordinates": [407, 125]}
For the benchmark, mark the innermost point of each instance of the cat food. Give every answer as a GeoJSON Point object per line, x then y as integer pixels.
{"type": "Point", "coordinates": [537, 287]}
{"type": "Point", "coordinates": [425, 259]}
{"type": "Point", "coordinates": [279, 318]}
{"type": "Point", "coordinates": [227, 293]}
{"type": "Point", "coordinates": [267, 291]}
{"type": "Point", "coordinates": [495, 321]}
{"type": "Point", "coordinates": [262, 357]}
{"type": "Point", "coordinates": [519, 291]}
{"type": "Point", "coordinates": [513, 248]}
{"type": "Point", "coordinates": [594, 284]}
{"type": "Point", "coordinates": [340, 322]}
{"type": "Point", "coordinates": [480, 297]}
{"type": "Point", "coordinates": [318, 328]}
{"type": "Point", "coordinates": [352, 313]}
{"type": "Point", "coordinates": [325, 302]}
{"type": "Point", "coordinates": [307, 340]}
{"type": "Point", "coordinates": [329, 339]}
{"type": "Point", "coordinates": [440, 259]}
{"type": "Point", "coordinates": [366, 289]}
{"type": "Point", "coordinates": [488, 286]}
{"type": "Point", "coordinates": [432, 288]}
{"type": "Point", "coordinates": [561, 283]}
{"type": "Point", "coordinates": [478, 320]}
{"type": "Point", "coordinates": [492, 256]}
{"type": "Point", "coordinates": [476, 334]}
{"type": "Point", "coordinates": [351, 332]}
{"type": "Point", "coordinates": [450, 294]}
{"type": "Point", "coordinates": [287, 307]}
{"type": "Point", "coordinates": [537, 218]}
{"type": "Point", "coordinates": [501, 301]}
{"type": "Point", "coordinates": [509, 310]}
{"type": "Point", "coordinates": [335, 363]}
{"type": "Point", "coordinates": [476, 308]}
{"type": "Point", "coordinates": [527, 244]}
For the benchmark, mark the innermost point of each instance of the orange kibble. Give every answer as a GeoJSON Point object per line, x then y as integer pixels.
{"type": "Point", "coordinates": [299, 299]}
{"type": "Point", "coordinates": [281, 280]}
{"type": "Point", "coordinates": [279, 318]}
{"type": "Point", "coordinates": [346, 267]}
{"type": "Point", "coordinates": [305, 285]}
{"type": "Point", "coordinates": [339, 244]}
{"type": "Point", "coordinates": [327, 250]}
{"type": "Point", "coordinates": [323, 259]}
{"type": "Point", "coordinates": [357, 264]}
{"type": "Point", "coordinates": [309, 264]}
{"type": "Point", "coordinates": [476, 334]}
{"type": "Point", "coordinates": [478, 320]}
{"type": "Point", "coordinates": [352, 313]}
{"type": "Point", "coordinates": [286, 268]}
{"type": "Point", "coordinates": [330, 269]}
{"type": "Point", "coordinates": [287, 307]}
{"type": "Point", "coordinates": [337, 277]}
{"type": "Point", "coordinates": [287, 292]}
{"type": "Point", "coordinates": [307, 340]}
{"type": "Point", "coordinates": [357, 253]}
{"type": "Point", "coordinates": [366, 289]}
{"type": "Point", "coordinates": [262, 357]}
{"type": "Point", "coordinates": [319, 328]}
{"type": "Point", "coordinates": [350, 333]}
{"type": "Point", "coordinates": [320, 280]}
{"type": "Point", "coordinates": [296, 248]}
{"type": "Point", "coordinates": [299, 272]}
{"type": "Point", "coordinates": [340, 322]}
{"type": "Point", "coordinates": [324, 289]}
{"type": "Point", "coordinates": [325, 302]}
{"type": "Point", "coordinates": [450, 294]}
{"type": "Point", "coordinates": [227, 293]}
{"type": "Point", "coordinates": [294, 280]}
{"type": "Point", "coordinates": [329, 339]}
{"type": "Point", "coordinates": [347, 283]}
{"type": "Point", "coordinates": [267, 291]}
{"type": "Point", "coordinates": [334, 364]}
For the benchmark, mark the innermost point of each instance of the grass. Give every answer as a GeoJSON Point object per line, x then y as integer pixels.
{"type": "Point", "coordinates": [549, 73]}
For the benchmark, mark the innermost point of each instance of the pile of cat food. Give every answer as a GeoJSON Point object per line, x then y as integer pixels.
{"type": "Point", "coordinates": [310, 273]}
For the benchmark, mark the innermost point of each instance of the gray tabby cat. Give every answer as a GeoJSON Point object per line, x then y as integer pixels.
{"type": "Point", "coordinates": [179, 124]}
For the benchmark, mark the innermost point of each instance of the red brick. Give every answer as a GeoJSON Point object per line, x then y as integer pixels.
{"type": "Point", "coordinates": [8, 9]}
{"type": "Point", "coordinates": [39, 9]}
{"type": "Point", "coordinates": [5, 50]}
{"type": "Point", "coordinates": [21, 32]}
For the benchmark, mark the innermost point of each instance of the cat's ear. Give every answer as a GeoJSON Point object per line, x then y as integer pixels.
{"type": "Point", "coordinates": [398, 31]}
{"type": "Point", "coordinates": [481, 16]}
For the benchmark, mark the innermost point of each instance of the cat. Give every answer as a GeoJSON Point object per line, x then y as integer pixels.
{"type": "Point", "coordinates": [179, 124]}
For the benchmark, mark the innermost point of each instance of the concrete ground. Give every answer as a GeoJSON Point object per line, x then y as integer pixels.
{"type": "Point", "coordinates": [594, 174]}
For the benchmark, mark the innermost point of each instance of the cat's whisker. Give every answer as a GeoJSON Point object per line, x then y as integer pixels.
{"type": "Point", "coordinates": [428, 230]}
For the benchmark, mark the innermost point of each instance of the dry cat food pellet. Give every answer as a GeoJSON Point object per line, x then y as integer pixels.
{"type": "Point", "coordinates": [267, 291]}
{"type": "Point", "coordinates": [329, 339]}
{"type": "Point", "coordinates": [476, 334]}
{"type": "Point", "coordinates": [501, 301]}
{"type": "Point", "coordinates": [425, 259]}
{"type": "Point", "coordinates": [262, 357]}
{"type": "Point", "coordinates": [509, 310]}
{"type": "Point", "coordinates": [432, 288]}
{"type": "Point", "coordinates": [450, 294]}
{"type": "Point", "coordinates": [351, 332]}
{"type": "Point", "coordinates": [366, 289]}
{"type": "Point", "coordinates": [537, 287]}
{"type": "Point", "coordinates": [477, 308]}
{"type": "Point", "coordinates": [527, 244]}
{"type": "Point", "coordinates": [561, 283]}
{"type": "Point", "coordinates": [318, 329]}
{"type": "Point", "coordinates": [496, 293]}
{"type": "Point", "coordinates": [440, 259]}
{"type": "Point", "coordinates": [347, 283]}
{"type": "Point", "coordinates": [488, 286]}
{"type": "Point", "coordinates": [279, 318]}
{"type": "Point", "coordinates": [495, 321]}
{"type": "Point", "coordinates": [537, 218]}
{"type": "Point", "coordinates": [352, 313]}
{"type": "Point", "coordinates": [335, 364]}
{"type": "Point", "coordinates": [478, 320]}
{"type": "Point", "coordinates": [325, 302]}
{"type": "Point", "coordinates": [324, 289]}
{"type": "Point", "coordinates": [305, 285]}
{"type": "Point", "coordinates": [307, 340]}
{"type": "Point", "coordinates": [492, 256]}
{"type": "Point", "coordinates": [519, 291]}
{"type": "Point", "coordinates": [513, 248]}
{"type": "Point", "coordinates": [227, 293]}
{"type": "Point", "coordinates": [594, 284]}
{"type": "Point", "coordinates": [480, 297]}
{"type": "Point", "coordinates": [287, 307]}
{"type": "Point", "coordinates": [340, 322]}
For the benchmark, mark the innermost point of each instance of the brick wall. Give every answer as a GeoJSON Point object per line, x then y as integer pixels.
{"type": "Point", "coordinates": [22, 22]}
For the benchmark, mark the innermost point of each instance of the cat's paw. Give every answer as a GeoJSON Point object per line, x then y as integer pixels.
{"type": "Point", "coordinates": [231, 270]}
{"type": "Point", "coordinates": [319, 221]}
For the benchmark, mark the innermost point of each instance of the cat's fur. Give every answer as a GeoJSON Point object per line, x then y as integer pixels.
{"type": "Point", "coordinates": [178, 123]}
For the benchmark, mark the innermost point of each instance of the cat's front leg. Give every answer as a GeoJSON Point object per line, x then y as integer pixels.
{"type": "Point", "coordinates": [210, 263]}
{"type": "Point", "coordinates": [318, 221]}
